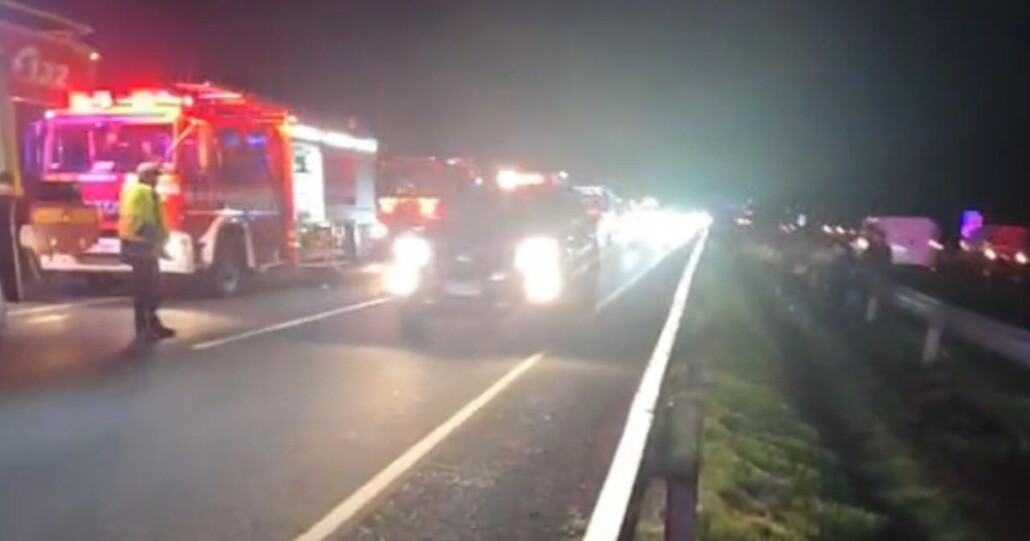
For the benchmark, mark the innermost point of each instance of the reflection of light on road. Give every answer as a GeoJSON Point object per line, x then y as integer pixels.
{"type": "Point", "coordinates": [42, 309]}
{"type": "Point", "coordinates": [660, 229]}
{"type": "Point", "coordinates": [373, 268]}
{"type": "Point", "coordinates": [53, 318]}
{"type": "Point", "coordinates": [630, 260]}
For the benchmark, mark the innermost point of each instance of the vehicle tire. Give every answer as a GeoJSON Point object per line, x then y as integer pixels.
{"type": "Point", "coordinates": [227, 275]}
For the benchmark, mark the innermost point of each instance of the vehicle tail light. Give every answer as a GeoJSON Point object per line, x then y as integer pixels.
{"type": "Point", "coordinates": [387, 204]}
{"type": "Point", "coordinates": [427, 206]}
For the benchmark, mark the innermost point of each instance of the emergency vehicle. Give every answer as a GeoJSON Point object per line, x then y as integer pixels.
{"type": "Point", "coordinates": [602, 206]}
{"type": "Point", "coordinates": [42, 57]}
{"type": "Point", "coordinates": [246, 187]}
{"type": "Point", "coordinates": [413, 190]}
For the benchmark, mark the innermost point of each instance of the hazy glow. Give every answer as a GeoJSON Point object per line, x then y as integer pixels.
{"type": "Point", "coordinates": [378, 231]}
{"type": "Point", "coordinates": [539, 261]}
{"type": "Point", "coordinates": [542, 287]}
{"type": "Point", "coordinates": [509, 179]}
{"type": "Point", "coordinates": [411, 251]}
{"type": "Point", "coordinates": [344, 141]}
{"type": "Point", "coordinates": [538, 254]}
{"type": "Point", "coordinates": [401, 280]}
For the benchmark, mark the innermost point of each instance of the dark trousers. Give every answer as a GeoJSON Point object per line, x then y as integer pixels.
{"type": "Point", "coordinates": [9, 275]}
{"type": "Point", "coordinates": [146, 292]}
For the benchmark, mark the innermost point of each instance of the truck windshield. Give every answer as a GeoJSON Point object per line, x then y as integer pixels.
{"type": "Point", "coordinates": [421, 180]}
{"type": "Point", "coordinates": [107, 147]}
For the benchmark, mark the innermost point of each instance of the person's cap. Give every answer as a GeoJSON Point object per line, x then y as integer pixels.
{"type": "Point", "coordinates": [146, 170]}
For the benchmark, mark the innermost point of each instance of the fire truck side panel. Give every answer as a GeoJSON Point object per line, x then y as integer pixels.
{"type": "Point", "coordinates": [249, 186]}
{"type": "Point", "coordinates": [351, 198]}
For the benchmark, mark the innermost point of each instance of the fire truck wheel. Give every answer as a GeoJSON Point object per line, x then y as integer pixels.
{"type": "Point", "coordinates": [227, 275]}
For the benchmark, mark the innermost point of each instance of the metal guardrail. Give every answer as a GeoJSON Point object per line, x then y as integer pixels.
{"type": "Point", "coordinates": [614, 515]}
{"type": "Point", "coordinates": [1002, 338]}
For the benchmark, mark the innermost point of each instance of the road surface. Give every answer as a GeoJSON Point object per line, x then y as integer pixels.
{"type": "Point", "coordinates": [303, 414]}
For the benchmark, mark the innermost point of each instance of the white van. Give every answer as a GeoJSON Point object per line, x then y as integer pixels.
{"type": "Point", "coordinates": [913, 240]}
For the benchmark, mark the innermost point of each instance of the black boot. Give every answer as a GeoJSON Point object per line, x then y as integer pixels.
{"type": "Point", "coordinates": [160, 331]}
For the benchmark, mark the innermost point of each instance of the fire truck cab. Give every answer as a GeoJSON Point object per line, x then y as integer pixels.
{"type": "Point", "coordinates": [414, 190]}
{"type": "Point", "coordinates": [245, 186]}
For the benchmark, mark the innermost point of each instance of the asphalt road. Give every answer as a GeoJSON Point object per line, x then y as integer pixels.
{"type": "Point", "coordinates": [287, 412]}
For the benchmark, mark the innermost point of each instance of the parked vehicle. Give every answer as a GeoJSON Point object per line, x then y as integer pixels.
{"type": "Point", "coordinates": [246, 187]}
{"type": "Point", "coordinates": [912, 240]}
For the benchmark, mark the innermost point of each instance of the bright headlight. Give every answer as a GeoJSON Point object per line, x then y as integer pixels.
{"type": "Point", "coordinates": [537, 254]}
{"type": "Point", "coordinates": [539, 261]}
{"type": "Point", "coordinates": [379, 230]}
{"type": "Point", "coordinates": [401, 280]}
{"type": "Point", "coordinates": [412, 251]}
{"type": "Point", "coordinates": [542, 287]}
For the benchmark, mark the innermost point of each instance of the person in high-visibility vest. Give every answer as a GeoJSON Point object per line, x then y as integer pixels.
{"type": "Point", "coordinates": [143, 232]}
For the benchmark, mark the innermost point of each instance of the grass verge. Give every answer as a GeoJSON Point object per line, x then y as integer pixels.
{"type": "Point", "coordinates": [803, 439]}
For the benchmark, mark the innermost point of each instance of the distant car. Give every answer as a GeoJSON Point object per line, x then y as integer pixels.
{"type": "Point", "coordinates": [1000, 244]}
{"type": "Point", "coordinates": [495, 251]}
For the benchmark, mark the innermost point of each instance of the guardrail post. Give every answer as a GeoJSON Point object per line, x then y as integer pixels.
{"type": "Point", "coordinates": [681, 508]}
{"type": "Point", "coordinates": [872, 306]}
{"type": "Point", "coordinates": [932, 342]}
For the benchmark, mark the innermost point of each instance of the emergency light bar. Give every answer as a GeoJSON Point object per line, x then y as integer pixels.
{"type": "Point", "coordinates": [345, 141]}
{"type": "Point", "coordinates": [509, 179]}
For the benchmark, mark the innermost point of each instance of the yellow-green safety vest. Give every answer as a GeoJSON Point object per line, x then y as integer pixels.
{"type": "Point", "coordinates": [140, 210]}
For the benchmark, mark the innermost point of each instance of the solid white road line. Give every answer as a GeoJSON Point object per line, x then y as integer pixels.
{"type": "Point", "coordinates": [34, 310]}
{"type": "Point", "coordinates": [610, 510]}
{"type": "Point", "coordinates": [350, 508]}
{"type": "Point", "coordinates": [289, 324]}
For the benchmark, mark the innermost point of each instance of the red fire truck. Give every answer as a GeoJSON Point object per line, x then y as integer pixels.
{"type": "Point", "coordinates": [42, 57]}
{"type": "Point", "coordinates": [246, 186]}
{"type": "Point", "coordinates": [413, 190]}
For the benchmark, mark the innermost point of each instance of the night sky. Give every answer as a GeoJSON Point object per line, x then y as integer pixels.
{"type": "Point", "coordinates": [860, 106]}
